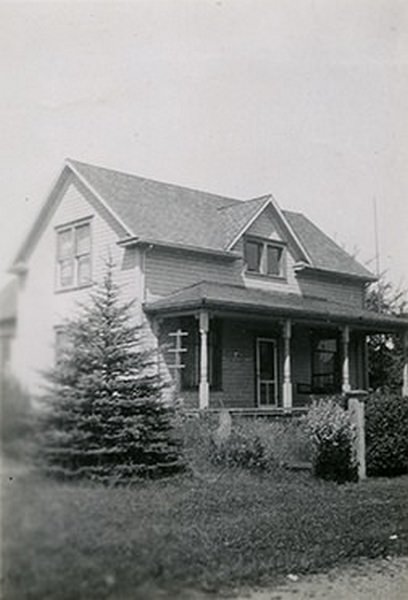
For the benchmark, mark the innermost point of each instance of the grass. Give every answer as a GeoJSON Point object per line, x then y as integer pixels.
{"type": "Point", "coordinates": [229, 527]}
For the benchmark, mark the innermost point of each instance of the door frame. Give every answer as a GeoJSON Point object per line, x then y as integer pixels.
{"type": "Point", "coordinates": [274, 344]}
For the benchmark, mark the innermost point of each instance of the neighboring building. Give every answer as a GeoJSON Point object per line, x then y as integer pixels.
{"type": "Point", "coordinates": [8, 314]}
{"type": "Point", "coordinates": [273, 308]}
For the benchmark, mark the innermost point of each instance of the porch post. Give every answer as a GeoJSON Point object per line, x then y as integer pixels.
{"type": "Point", "coordinates": [405, 365]}
{"type": "Point", "coordinates": [345, 385]}
{"type": "Point", "coordinates": [204, 388]}
{"type": "Point", "coordinates": [366, 364]}
{"type": "Point", "coordinates": [287, 367]}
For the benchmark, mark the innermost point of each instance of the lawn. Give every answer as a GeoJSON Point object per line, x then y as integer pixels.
{"type": "Point", "coordinates": [76, 541]}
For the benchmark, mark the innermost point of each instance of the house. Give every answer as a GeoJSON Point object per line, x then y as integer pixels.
{"type": "Point", "coordinates": [270, 309]}
{"type": "Point", "coordinates": [8, 314]}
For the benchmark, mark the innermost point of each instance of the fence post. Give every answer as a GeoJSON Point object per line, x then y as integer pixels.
{"type": "Point", "coordinates": [356, 408]}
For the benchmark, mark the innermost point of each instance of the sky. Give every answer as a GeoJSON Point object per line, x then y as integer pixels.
{"type": "Point", "coordinates": [304, 99]}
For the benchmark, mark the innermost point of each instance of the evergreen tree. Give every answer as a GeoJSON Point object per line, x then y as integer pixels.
{"type": "Point", "coordinates": [386, 352]}
{"type": "Point", "coordinates": [105, 417]}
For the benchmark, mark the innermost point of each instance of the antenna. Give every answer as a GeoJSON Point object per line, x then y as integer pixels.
{"type": "Point", "coordinates": [376, 239]}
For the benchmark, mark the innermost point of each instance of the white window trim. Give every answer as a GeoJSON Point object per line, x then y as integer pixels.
{"type": "Point", "coordinates": [72, 226]}
{"type": "Point", "coordinates": [265, 243]}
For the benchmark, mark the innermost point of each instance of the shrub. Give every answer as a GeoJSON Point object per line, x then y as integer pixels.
{"type": "Point", "coordinates": [242, 450]}
{"type": "Point", "coordinates": [331, 434]}
{"type": "Point", "coordinates": [386, 429]}
{"type": "Point", "coordinates": [259, 444]}
{"type": "Point", "coordinates": [16, 418]}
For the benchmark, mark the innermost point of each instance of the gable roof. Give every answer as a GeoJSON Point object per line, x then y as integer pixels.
{"type": "Point", "coordinates": [150, 210]}
{"type": "Point", "coordinates": [159, 211]}
{"type": "Point", "coordinates": [324, 253]}
{"type": "Point", "coordinates": [238, 217]}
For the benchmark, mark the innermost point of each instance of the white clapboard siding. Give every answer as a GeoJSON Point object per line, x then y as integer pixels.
{"type": "Point", "coordinates": [345, 292]}
{"type": "Point", "coordinates": [266, 226]}
{"type": "Point", "coordinates": [167, 271]}
{"type": "Point", "coordinates": [41, 308]}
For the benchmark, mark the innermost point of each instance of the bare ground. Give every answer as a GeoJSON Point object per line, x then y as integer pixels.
{"type": "Point", "coordinates": [384, 579]}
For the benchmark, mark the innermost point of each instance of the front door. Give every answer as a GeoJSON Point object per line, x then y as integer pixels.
{"type": "Point", "coordinates": [266, 372]}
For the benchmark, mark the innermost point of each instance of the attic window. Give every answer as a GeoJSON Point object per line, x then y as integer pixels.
{"type": "Point", "coordinates": [265, 257]}
{"type": "Point", "coordinates": [74, 256]}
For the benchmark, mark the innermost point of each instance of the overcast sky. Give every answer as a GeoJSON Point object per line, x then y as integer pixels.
{"type": "Point", "coordinates": [307, 99]}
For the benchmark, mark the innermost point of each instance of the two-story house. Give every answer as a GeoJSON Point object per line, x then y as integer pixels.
{"type": "Point", "coordinates": [273, 309]}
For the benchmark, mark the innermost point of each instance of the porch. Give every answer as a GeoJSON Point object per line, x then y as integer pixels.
{"type": "Point", "coordinates": [270, 356]}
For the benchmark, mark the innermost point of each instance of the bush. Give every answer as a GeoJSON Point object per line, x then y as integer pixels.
{"type": "Point", "coordinates": [331, 434]}
{"type": "Point", "coordinates": [386, 429]}
{"type": "Point", "coordinates": [16, 418]}
{"type": "Point", "coordinates": [243, 451]}
{"type": "Point", "coordinates": [259, 444]}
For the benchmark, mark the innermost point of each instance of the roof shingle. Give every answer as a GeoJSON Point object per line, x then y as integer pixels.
{"type": "Point", "coordinates": [177, 215]}
{"type": "Point", "coordinates": [237, 298]}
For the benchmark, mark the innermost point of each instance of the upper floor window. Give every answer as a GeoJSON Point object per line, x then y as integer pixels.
{"type": "Point", "coordinates": [74, 255]}
{"type": "Point", "coordinates": [265, 258]}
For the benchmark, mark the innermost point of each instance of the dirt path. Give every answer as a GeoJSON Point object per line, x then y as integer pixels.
{"type": "Point", "coordinates": [368, 580]}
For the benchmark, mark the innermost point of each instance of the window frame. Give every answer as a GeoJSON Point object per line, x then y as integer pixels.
{"type": "Point", "coordinates": [264, 245]}
{"type": "Point", "coordinates": [74, 255]}
{"type": "Point", "coordinates": [61, 341]}
{"type": "Point", "coordinates": [190, 380]}
{"type": "Point", "coordinates": [335, 386]}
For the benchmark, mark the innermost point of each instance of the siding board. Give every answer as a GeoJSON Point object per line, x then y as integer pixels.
{"type": "Point", "coordinates": [40, 307]}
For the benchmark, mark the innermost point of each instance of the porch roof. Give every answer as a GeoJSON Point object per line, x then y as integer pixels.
{"type": "Point", "coordinates": [219, 296]}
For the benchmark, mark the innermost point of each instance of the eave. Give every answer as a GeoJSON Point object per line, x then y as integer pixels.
{"type": "Point", "coordinates": [151, 243]}
{"type": "Point", "coordinates": [309, 269]}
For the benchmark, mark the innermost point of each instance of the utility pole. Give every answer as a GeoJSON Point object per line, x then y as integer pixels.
{"type": "Point", "coordinates": [376, 239]}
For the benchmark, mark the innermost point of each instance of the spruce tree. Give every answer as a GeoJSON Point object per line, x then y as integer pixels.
{"type": "Point", "coordinates": [105, 418]}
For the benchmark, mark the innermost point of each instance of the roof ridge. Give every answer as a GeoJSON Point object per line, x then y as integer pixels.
{"type": "Point", "coordinates": [248, 201]}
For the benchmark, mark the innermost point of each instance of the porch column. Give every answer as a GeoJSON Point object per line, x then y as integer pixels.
{"type": "Point", "coordinates": [204, 387]}
{"type": "Point", "coordinates": [345, 385]}
{"type": "Point", "coordinates": [405, 365]}
{"type": "Point", "coordinates": [366, 364]}
{"type": "Point", "coordinates": [287, 366]}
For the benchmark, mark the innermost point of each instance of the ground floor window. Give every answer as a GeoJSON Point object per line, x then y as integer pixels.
{"type": "Point", "coordinates": [60, 343]}
{"type": "Point", "coordinates": [325, 363]}
{"type": "Point", "coordinates": [190, 374]}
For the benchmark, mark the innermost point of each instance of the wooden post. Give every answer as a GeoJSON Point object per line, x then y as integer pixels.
{"type": "Point", "coordinates": [405, 365]}
{"type": "Point", "coordinates": [287, 367]}
{"type": "Point", "coordinates": [204, 387]}
{"type": "Point", "coordinates": [366, 364]}
{"type": "Point", "coordinates": [356, 408]}
{"type": "Point", "coordinates": [346, 360]}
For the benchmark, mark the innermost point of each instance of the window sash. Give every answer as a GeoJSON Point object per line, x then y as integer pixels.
{"type": "Point", "coordinates": [274, 260]}
{"type": "Point", "coordinates": [325, 364]}
{"type": "Point", "coordinates": [82, 239]}
{"type": "Point", "coordinates": [84, 269]}
{"type": "Point", "coordinates": [254, 256]}
{"type": "Point", "coordinates": [66, 272]}
{"type": "Point", "coordinates": [74, 256]}
{"type": "Point", "coordinates": [264, 257]}
{"type": "Point", "coordinates": [65, 244]}
{"type": "Point", "coordinates": [190, 375]}
{"type": "Point", "coordinates": [61, 343]}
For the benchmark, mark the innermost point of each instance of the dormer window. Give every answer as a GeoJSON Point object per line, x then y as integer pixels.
{"type": "Point", "coordinates": [74, 255]}
{"type": "Point", "coordinates": [265, 257]}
